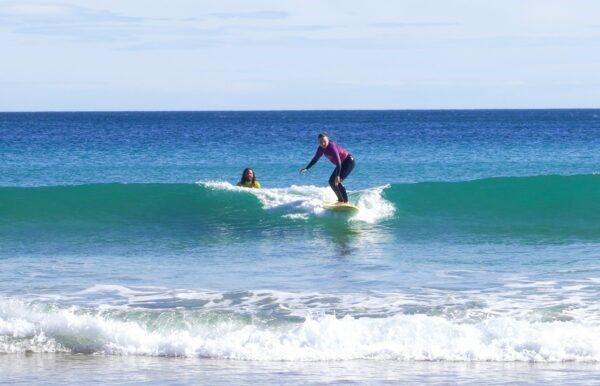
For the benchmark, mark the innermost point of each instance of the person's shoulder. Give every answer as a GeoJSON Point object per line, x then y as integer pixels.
{"type": "Point", "coordinates": [257, 184]}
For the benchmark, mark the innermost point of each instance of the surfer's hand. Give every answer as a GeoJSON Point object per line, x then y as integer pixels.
{"type": "Point", "coordinates": [338, 181]}
{"type": "Point", "coordinates": [303, 170]}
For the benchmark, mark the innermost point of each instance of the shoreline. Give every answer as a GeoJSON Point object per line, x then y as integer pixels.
{"type": "Point", "coordinates": [71, 368]}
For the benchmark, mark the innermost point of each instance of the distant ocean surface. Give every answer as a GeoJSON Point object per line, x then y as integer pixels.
{"type": "Point", "coordinates": [476, 250]}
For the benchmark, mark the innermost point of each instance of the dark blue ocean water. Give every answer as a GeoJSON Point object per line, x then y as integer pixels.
{"type": "Point", "coordinates": [477, 238]}
{"type": "Point", "coordinates": [390, 146]}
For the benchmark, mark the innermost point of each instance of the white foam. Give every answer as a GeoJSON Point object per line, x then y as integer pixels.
{"type": "Point", "coordinates": [27, 327]}
{"type": "Point", "coordinates": [111, 288]}
{"type": "Point", "coordinates": [296, 216]}
{"type": "Point", "coordinates": [222, 185]}
{"type": "Point", "coordinates": [373, 207]}
{"type": "Point", "coordinates": [301, 202]}
{"type": "Point", "coordinates": [532, 284]}
{"type": "Point", "coordinates": [519, 298]}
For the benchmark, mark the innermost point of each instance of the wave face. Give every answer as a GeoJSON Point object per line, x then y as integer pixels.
{"type": "Point", "coordinates": [120, 203]}
{"type": "Point", "coordinates": [544, 207]}
{"type": "Point", "coordinates": [36, 327]}
{"type": "Point", "coordinates": [210, 209]}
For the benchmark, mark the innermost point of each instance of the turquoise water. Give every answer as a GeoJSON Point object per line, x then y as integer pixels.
{"type": "Point", "coordinates": [477, 239]}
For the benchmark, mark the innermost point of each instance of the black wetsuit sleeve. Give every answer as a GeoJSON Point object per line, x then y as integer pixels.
{"type": "Point", "coordinates": [314, 160]}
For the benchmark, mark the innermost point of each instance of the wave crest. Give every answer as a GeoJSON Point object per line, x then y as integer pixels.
{"type": "Point", "coordinates": [34, 327]}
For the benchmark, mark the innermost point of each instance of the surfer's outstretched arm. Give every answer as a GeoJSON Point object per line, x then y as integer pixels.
{"type": "Point", "coordinates": [313, 161]}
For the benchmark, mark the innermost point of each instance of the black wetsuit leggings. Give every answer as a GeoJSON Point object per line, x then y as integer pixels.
{"type": "Point", "coordinates": [340, 190]}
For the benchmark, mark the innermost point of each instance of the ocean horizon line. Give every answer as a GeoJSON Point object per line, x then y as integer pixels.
{"type": "Point", "coordinates": [301, 110]}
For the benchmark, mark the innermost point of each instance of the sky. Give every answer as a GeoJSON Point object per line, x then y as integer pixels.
{"type": "Point", "coordinates": [101, 55]}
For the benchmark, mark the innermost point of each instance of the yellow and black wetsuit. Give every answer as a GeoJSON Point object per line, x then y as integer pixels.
{"type": "Point", "coordinates": [249, 184]}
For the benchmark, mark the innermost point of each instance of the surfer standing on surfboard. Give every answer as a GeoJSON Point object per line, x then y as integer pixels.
{"type": "Point", "coordinates": [343, 161]}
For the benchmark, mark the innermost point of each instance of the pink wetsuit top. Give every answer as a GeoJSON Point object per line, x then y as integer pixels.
{"type": "Point", "coordinates": [334, 153]}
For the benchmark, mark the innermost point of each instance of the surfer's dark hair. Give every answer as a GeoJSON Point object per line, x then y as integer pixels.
{"type": "Point", "coordinates": [244, 175]}
{"type": "Point", "coordinates": [323, 134]}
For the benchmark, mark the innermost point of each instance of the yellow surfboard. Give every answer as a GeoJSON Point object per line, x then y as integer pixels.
{"type": "Point", "coordinates": [341, 207]}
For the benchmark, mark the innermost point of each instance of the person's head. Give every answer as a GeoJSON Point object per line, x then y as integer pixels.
{"type": "Point", "coordinates": [248, 175]}
{"type": "Point", "coordinates": [323, 140]}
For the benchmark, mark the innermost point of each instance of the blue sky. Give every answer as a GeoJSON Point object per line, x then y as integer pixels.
{"type": "Point", "coordinates": [271, 55]}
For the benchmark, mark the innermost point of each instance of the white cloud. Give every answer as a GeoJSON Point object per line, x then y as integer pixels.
{"type": "Point", "coordinates": [77, 23]}
{"type": "Point", "coordinates": [259, 15]}
{"type": "Point", "coordinates": [55, 13]}
{"type": "Point", "coordinates": [423, 24]}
